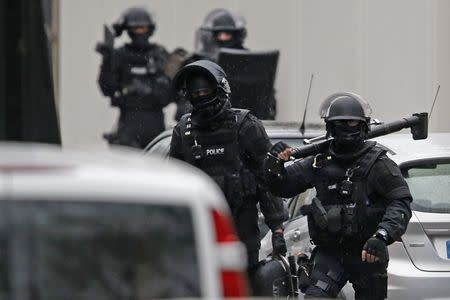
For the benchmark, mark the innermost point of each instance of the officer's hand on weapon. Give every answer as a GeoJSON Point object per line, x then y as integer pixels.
{"type": "Point", "coordinates": [274, 162]}
{"type": "Point", "coordinates": [375, 249]}
{"type": "Point", "coordinates": [281, 150]}
{"type": "Point", "coordinates": [278, 243]}
{"type": "Point", "coordinates": [103, 49]}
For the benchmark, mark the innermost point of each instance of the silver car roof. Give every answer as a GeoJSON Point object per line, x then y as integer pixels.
{"type": "Point", "coordinates": [437, 145]}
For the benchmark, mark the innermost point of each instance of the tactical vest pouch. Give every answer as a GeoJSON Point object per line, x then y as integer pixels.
{"type": "Point", "coordinates": [320, 236]}
{"type": "Point", "coordinates": [349, 224]}
{"type": "Point", "coordinates": [233, 191]}
{"type": "Point", "coordinates": [334, 219]}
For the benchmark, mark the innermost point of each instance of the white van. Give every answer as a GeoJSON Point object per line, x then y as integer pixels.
{"type": "Point", "coordinates": [84, 225]}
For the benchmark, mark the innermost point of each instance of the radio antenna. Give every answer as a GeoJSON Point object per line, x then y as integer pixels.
{"type": "Point", "coordinates": [302, 127]}
{"type": "Point", "coordinates": [434, 101]}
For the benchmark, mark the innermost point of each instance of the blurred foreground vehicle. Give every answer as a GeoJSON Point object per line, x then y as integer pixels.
{"type": "Point", "coordinates": [79, 225]}
{"type": "Point", "coordinates": [419, 266]}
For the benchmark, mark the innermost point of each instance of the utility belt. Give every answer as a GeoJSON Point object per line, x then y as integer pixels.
{"type": "Point", "coordinates": [236, 187]}
{"type": "Point", "coordinates": [330, 224]}
{"type": "Point", "coordinates": [341, 220]}
{"type": "Point", "coordinates": [338, 222]}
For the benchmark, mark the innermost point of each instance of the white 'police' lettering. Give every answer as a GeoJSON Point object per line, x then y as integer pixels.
{"type": "Point", "coordinates": [216, 151]}
{"type": "Point", "coordinates": [138, 70]}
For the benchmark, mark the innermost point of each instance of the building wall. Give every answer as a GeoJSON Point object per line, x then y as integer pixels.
{"type": "Point", "coordinates": [393, 53]}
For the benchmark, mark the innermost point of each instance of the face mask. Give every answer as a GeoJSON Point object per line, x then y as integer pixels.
{"type": "Point", "coordinates": [230, 43]}
{"type": "Point", "coordinates": [139, 40]}
{"type": "Point", "coordinates": [227, 44]}
{"type": "Point", "coordinates": [200, 91]}
{"type": "Point", "coordinates": [211, 112]}
{"type": "Point", "coordinates": [347, 138]}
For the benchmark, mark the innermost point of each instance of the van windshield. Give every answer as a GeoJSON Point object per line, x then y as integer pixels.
{"type": "Point", "coordinates": [96, 250]}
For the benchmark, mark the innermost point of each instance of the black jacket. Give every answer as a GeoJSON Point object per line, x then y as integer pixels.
{"type": "Point", "coordinates": [254, 144]}
{"type": "Point", "coordinates": [384, 186]}
{"type": "Point", "coordinates": [134, 78]}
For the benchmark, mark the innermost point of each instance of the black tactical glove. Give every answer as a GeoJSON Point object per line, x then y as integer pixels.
{"type": "Point", "coordinates": [377, 247]}
{"type": "Point", "coordinates": [278, 244]}
{"type": "Point", "coordinates": [317, 212]}
{"type": "Point", "coordinates": [103, 49]}
{"type": "Point", "coordinates": [278, 148]}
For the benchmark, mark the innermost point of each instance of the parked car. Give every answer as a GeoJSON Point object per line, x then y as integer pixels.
{"type": "Point", "coordinates": [419, 266]}
{"type": "Point", "coordinates": [87, 225]}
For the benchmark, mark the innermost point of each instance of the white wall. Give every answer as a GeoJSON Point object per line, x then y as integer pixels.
{"type": "Point", "coordinates": [394, 53]}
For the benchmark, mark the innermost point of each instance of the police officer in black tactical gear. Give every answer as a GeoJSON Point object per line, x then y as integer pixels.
{"type": "Point", "coordinates": [362, 203]}
{"type": "Point", "coordinates": [133, 77]}
{"type": "Point", "coordinates": [221, 28]}
{"type": "Point", "coordinates": [229, 145]}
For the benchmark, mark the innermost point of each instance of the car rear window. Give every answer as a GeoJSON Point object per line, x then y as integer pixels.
{"type": "Point", "coordinates": [429, 183]}
{"type": "Point", "coordinates": [96, 250]}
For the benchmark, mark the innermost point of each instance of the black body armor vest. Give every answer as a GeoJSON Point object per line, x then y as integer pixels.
{"type": "Point", "coordinates": [343, 192]}
{"type": "Point", "coordinates": [143, 82]}
{"type": "Point", "coordinates": [217, 153]}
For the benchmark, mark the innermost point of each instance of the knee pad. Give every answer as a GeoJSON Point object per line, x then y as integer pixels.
{"type": "Point", "coordinates": [328, 274]}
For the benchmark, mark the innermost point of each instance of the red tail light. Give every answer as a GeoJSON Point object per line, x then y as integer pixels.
{"type": "Point", "coordinates": [234, 284]}
{"type": "Point", "coordinates": [224, 227]}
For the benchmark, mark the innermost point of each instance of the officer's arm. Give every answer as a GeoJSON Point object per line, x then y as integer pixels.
{"type": "Point", "coordinates": [273, 209]}
{"type": "Point", "coordinates": [389, 183]}
{"type": "Point", "coordinates": [296, 179]}
{"type": "Point", "coordinates": [175, 144]}
{"type": "Point", "coordinates": [108, 79]}
{"type": "Point", "coordinates": [254, 141]}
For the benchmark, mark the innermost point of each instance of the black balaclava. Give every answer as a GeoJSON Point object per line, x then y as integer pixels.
{"type": "Point", "coordinates": [209, 107]}
{"type": "Point", "coordinates": [347, 139]}
{"type": "Point", "coordinates": [234, 42]}
{"type": "Point", "coordinates": [139, 40]}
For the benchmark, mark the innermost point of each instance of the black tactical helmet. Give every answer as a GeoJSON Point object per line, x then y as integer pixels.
{"type": "Point", "coordinates": [134, 17]}
{"type": "Point", "coordinates": [206, 67]}
{"type": "Point", "coordinates": [221, 20]}
{"type": "Point", "coordinates": [345, 106]}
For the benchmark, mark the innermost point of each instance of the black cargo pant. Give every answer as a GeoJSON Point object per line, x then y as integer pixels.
{"type": "Point", "coordinates": [331, 268]}
{"type": "Point", "coordinates": [246, 223]}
